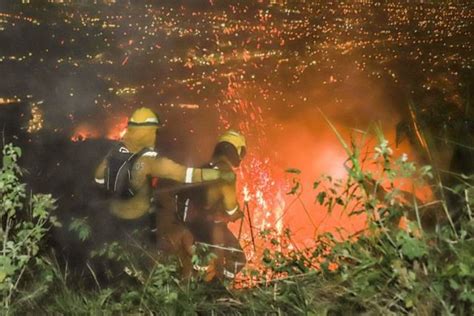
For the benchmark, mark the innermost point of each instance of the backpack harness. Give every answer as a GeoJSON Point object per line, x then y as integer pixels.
{"type": "Point", "coordinates": [118, 172]}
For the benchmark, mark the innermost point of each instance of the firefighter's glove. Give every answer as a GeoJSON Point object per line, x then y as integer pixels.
{"type": "Point", "coordinates": [210, 174]}
{"type": "Point", "coordinates": [227, 176]}
{"type": "Point", "coordinates": [214, 174]}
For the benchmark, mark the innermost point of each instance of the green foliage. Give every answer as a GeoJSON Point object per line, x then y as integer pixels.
{"type": "Point", "coordinates": [411, 247]}
{"type": "Point", "coordinates": [25, 222]}
{"type": "Point", "coordinates": [81, 227]}
{"type": "Point", "coordinates": [384, 270]}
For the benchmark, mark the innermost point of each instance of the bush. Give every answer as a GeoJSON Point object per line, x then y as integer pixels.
{"type": "Point", "coordinates": [25, 220]}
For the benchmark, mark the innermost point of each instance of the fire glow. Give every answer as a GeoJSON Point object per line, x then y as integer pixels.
{"type": "Point", "coordinates": [83, 132]}
{"type": "Point", "coordinates": [114, 130]}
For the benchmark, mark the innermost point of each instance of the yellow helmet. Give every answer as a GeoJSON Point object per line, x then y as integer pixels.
{"type": "Point", "coordinates": [143, 117]}
{"type": "Point", "coordinates": [235, 139]}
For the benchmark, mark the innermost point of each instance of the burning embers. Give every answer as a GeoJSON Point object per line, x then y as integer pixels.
{"type": "Point", "coordinates": [35, 124]}
{"type": "Point", "coordinates": [5, 101]}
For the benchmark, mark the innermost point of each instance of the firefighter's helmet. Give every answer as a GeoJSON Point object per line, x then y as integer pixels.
{"type": "Point", "coordinates": [141, 130]}
{"type": "Point", "coordinates": [144, 117]}
{"type": "Point", "coordinates": [233, 145]}
{"type": "Point", "coordinates": [236, 139]}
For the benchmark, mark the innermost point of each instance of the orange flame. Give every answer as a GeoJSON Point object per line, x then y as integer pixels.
{"type": "Point", "coordinates": [115, 130]}
{"type": "Point", "coordinates": [118, 128]}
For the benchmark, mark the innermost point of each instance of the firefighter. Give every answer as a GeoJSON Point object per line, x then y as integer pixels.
{"type": "Point", "coordinates": [208, 210]}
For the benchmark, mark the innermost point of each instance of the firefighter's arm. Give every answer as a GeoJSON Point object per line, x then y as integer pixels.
{"type": "Point", "coordinates": [232, 207]}
{"type": "Point", "coordinates": [100, 173]}
{"type": "Point", "coordinates": [168, 169]}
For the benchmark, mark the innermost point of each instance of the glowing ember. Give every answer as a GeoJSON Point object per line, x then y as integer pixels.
{"type": "Point", "coordinates": [9, 100]}
{"type": "Point", "coordinates": [36, 122]}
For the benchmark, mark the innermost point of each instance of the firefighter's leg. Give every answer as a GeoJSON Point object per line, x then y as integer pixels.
{"type": "Point", "coordinates": [178, 241]}
{"type": "Point", "coordinates": [218, 242]}
{"type": "Point", "coordinates": [202, 231]}
{"type": "Point", "coordinates": [174, 238]}
{"type": "Point", "coordinates": [235, 258]}
{"type": "Point", "coordinates": [185, 251]}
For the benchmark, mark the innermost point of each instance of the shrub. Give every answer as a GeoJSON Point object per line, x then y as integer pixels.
{"type": "Point", "coordinates": [25, 221]}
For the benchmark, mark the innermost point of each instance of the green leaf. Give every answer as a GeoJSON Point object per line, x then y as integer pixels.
{"type": "Point", "coordinates": [464, 269]}
{"type": "Point", "coordinates": [17, 150]}
{"type": "Point", "coordinates": [454, 285]}
{"type": "Point", "coordinates": [411, 247]}
{"type": "Point", "coordinates": [295, 188]}
{"type": "Point", "coordinates": [321, 197]}
{"type": "Point", "coordinates": [7, 267]}
{"type": "Point", "coordinates": [467, 296]}
{"type": "Point", "coordinates": [293, 170]}
{"type": "Point", "coordinates": [81, 227]}
{"type": "Point", "coordinates": [7, 162]}
{"type": "Point", "coordinates": [171, 297]}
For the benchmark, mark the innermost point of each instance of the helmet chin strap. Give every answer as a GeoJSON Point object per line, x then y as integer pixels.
{"type": "Point", "coordinates": [227, 160]}
{"type": "Point", "coordinates": [234, 163]}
